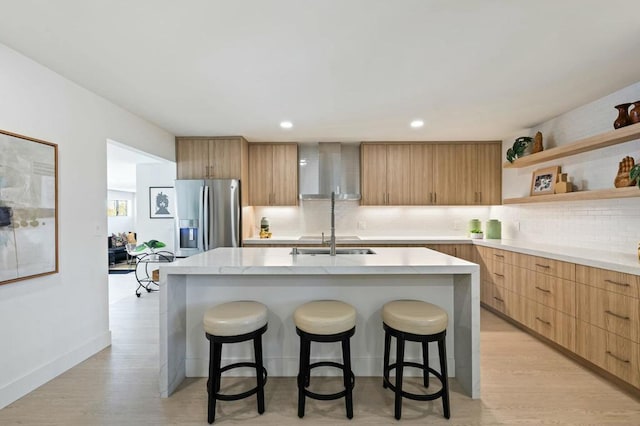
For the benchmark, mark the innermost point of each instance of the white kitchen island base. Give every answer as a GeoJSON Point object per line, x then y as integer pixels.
{"type": "Point", "coordinates": [283, 282]}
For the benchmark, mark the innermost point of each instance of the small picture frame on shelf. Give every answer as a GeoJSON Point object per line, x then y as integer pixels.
{"type": "Point", "coordinates": [543, 181]}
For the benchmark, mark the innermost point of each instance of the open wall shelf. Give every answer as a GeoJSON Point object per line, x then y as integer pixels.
{"type": "Point", "coordinates": [600, 194]}
{"type": "Point", "coordinates": [591, 143]}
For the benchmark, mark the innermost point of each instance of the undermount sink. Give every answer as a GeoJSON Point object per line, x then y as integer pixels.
{"type": "Point", "coordinates": [326, 237]}
{"type": "Point", "coordinates": [327, 250]}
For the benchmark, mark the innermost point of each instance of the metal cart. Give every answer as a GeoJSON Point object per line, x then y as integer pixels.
{"type": "Point", "coordinates": [147, 270]}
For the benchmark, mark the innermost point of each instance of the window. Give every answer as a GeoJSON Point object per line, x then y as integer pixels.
{"type": "Point", "coordinates": [117, 208]}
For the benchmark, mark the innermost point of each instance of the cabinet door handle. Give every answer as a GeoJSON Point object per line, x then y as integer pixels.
{"type": "Point", "coordinates": [435, 198]}
{"type": "Point", "coordinates": [542, 289]}
{"type": "Point", "coordinates": [617, 283]}
{"type": "Point", "coordinates": [499, 255]}
{"type": "Point", "coordinates": [384, 198]}
{"type": "Point", "coordinates": [617, 357]}
{"type": "Point", "coordinates": [499, 275]}
{"type": "Point", "coordinates": [498, 299]}
{"type": "Point", "coordinates": [616, 315]}
{"type": "Point", "coordinates": [543, 266]}
{"type": "Point", "coordinates": [431, 198]}
{"type": "Point", "coordinates": [543, 321]}
{"type": "Point", "coordinates": [480, 197]}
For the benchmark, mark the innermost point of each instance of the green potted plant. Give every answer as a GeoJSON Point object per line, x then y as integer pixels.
{"type": "Point", "coordinates": [476, 234]}
{"type": "Point", "coordinates": [519, 148]}
{"type": "Point", "coordinates": [634, 175]}
{"type": "Point", "coordinates": [151, 245]}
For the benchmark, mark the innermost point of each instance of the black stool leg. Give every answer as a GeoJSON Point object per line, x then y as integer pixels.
{"type": "Point", "coordinates": [442, 350]}
{"type": "Point", "coordinates": [214, 378]}
{"type": "Point", "coordinates": [257, 349]}
{"type": "Point", "coordinates": [303, 372]}
{"type": "Point", "coordinates": [399, 372]}
{"type": "Point", "coordinates": [218, 356]}
{"type": "Point", "coordinates": [346, 376]}
{"type": "Point", "coordinates": [425, 361]}
{"type": "Point", "coordinates": [387, 346]}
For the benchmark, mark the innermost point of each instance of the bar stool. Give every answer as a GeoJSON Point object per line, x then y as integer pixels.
{"type": "Point", "coordinates": [325, 321]}
{"type": "Point", "coordinates": [415, 321]}
{"type": "Point", "coordinates": [234, 322]}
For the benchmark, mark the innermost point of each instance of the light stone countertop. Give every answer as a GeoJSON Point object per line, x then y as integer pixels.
{"type": "Point", "coordinates": [615, 261]}
{"type": "Point", "coordinates": [280, 261]}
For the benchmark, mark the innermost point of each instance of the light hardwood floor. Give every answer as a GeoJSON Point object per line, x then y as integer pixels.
{"type": "Point", "coordinates": [523, 382]}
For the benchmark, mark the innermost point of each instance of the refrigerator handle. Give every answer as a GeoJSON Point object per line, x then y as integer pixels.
{"type": "Point", "coordinates": [235, 203]}
{"type": "Point", "coordinates": [205, 216]}
{"type": "Point", "coordinates": [201, 220]}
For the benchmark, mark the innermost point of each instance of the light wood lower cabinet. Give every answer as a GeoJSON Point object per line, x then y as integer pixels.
{"type": "Point", "coordinates": [609, 351]}
{"type": "Point", "coordinates": [592, 312]}
{"type": "Point", "coordinates": [552, 324]}
{"type": "Point", "coordinates": [610, 311]}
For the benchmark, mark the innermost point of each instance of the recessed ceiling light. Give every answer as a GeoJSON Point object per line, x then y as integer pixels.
{"type": "Point", "coordinates": [416, 124]}
{"type": "Point", "coordinates": [286, 124]}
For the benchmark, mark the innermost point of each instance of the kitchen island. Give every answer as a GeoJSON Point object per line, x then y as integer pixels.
{"type": "Point", "coordinates": [283, 281]}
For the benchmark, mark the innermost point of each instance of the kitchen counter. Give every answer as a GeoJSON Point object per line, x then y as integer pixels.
{"type": "Point", "coordinates": [282, 281]}
{"type": "Point", "coordinates": [346, 240]}
{"type": "Point", "coordinates": [615, 261]}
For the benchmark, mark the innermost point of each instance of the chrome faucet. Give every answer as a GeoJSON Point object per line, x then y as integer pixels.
{"type": "Point", "coordinates": [332, 252]}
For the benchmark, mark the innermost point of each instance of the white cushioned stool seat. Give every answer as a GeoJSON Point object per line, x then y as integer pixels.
{"type": "Point", "coordinates": [415, 317]}
{"type": "Point", "coordinates": [325, 317]}
{"type": "Point", "coordinates": [235, 318]}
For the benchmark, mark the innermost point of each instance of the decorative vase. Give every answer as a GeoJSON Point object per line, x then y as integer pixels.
{"type": "Point", "coordinates": [623, 116]}
{"type": "Point", "coordinates": [634, 114]}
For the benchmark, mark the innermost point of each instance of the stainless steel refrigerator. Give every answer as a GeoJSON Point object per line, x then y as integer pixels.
{"type": "Point", "coordinates": [208, 215]}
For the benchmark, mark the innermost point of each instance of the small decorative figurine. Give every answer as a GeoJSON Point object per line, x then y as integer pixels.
{"type": "Point", "coordinates": [624, 167]}
{"type": "Point", "coordinates": [537, 143]}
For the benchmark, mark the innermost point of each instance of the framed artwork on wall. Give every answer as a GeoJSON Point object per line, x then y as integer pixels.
{"type": "Point", "coordinates": [543, 181]}
{"type": "Point", "coordinates": [161, 202]}
{"type": "Point", "coordinates": [28, 207]}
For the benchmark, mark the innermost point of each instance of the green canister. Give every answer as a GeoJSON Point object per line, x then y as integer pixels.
{"type": "Point", "coordinates": [474, 225]}
{"type": "Point", "coordinates": [493, 229]}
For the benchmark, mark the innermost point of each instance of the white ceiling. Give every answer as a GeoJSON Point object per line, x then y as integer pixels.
{"type": "Point", "coordinates": [338, 69]}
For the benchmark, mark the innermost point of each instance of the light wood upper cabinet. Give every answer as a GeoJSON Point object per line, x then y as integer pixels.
{"type": "Point", "coordinates": [468, 174]}
{"type": "Point", "coordinates": [213, 158]}
{"type": "Point", "coordinates": [421, 185]}
{"type": "Point", "coordinates": [399, 174]}
{"type": "Point", "coordinates": [431, 173]}
{"type": "Point", "coordinates": [273, 174]}
{"type": "Point", "coordinates": [489, 173]}
{"type": "Point", "coordinates": [373, 166]}
{"type": "Point", "coordinates": [396, 174]}
{"type": "Point", "coordinates": [449, 187]}
{"type": "Point", "coordinates": [210, 158]}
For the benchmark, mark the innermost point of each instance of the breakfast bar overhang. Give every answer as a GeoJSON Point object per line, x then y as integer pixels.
{"type": "Point", "coordinates": [282, 281]}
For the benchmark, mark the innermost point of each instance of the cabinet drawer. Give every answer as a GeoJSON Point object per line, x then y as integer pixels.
{"type": "Point", "coordinates": [552, 324]}
{"type": "Point", "coordinates": [613, 312]}
{"type": "Point", "coordinates": [552, 267]}
{"type": "Point", "coordinates": [517, 279]}
{"type": "Point", "coordinates": [615, 354]}
{"type": "Point", "coordinates": [486, 292]}
{"type": "Point", "coordinates": [553, 292]}
{"type": "Point", "coordinates": [616, 282]}
{"type": "Point", "coordinates": [502, 256]}
{"type": "Point", "coordinates": [497, 272]}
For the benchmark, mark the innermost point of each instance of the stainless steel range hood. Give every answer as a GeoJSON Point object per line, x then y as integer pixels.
{"type": "Point", "coordinates": [326, 167]}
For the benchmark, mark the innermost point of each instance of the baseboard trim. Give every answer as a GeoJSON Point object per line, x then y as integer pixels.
{"type": "Point", "coordinates": [17, 389]}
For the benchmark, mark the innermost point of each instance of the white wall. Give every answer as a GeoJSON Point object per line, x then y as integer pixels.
{"type": "Point", "coordinates": [148, 175]}
{"type": "Point", "coordinates": [119, 224]}
{"type": "Point", "coordinates": [599, 224]}
{"type": "Point", "coordinates": [49, 324]}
